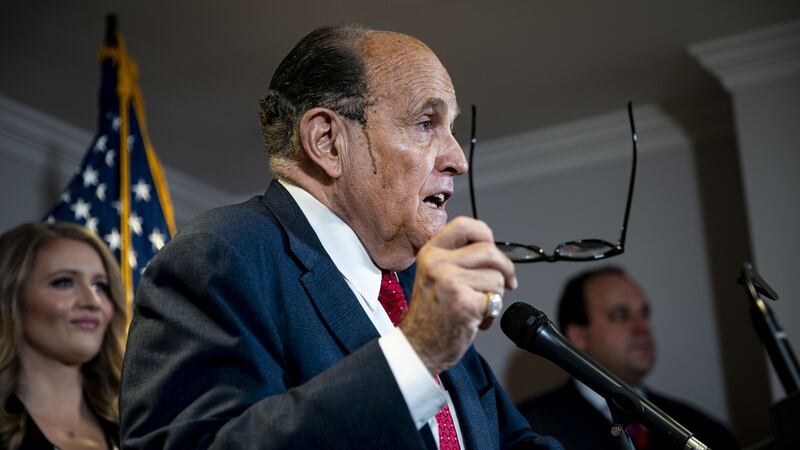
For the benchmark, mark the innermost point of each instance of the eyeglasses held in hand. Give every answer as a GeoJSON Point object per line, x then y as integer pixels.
{"type": "Point", "coordinates": [578, 250]}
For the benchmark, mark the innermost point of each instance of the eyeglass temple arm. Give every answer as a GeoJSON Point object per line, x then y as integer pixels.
{"type": "Point", "coordinates": [471, 154]}
{"type": "Point", "coordinates": [634, 138]}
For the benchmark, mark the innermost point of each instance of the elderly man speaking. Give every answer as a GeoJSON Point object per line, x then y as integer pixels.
{"type": "Point", "coordinates": [283, 322]}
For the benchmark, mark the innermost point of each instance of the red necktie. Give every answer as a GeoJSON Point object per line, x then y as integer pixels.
{"type": "Point", "coordinates": [394, 302]}
{"type": "Point", "coordinates": [639, 435]}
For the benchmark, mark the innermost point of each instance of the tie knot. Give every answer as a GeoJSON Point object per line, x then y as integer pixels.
{"type": "Point", "coordinates": [392, 298]}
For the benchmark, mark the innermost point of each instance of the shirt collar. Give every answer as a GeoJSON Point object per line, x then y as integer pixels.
{"type": "Point", "coordinates": [341, 243]}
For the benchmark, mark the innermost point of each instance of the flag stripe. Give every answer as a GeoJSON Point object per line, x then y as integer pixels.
{"type": "Point", "coordinates": [160, 182]}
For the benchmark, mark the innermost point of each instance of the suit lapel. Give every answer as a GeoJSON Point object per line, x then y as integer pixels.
{"type": "Point", "coordinates": [472, 418]}
{"type": "Point", "coordinates": [325, 285]}
{"type": "Point", "coordinates": [406, 279]}
{"type": "Point", "coordinates": [348, 322]}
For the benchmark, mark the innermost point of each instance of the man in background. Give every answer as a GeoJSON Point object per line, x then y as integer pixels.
{"type": "Point", "coordinates": [605, 314]}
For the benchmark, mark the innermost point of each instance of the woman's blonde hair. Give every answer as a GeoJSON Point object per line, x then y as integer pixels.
{"type": "Point", "coordinates": [19, 248]}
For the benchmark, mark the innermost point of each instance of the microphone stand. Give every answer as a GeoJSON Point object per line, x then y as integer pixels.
{"type": "Point", "coordinates": [621, 439]}
{"type": "Point", "coordinates": [768, 329]}
{"type": "Point", "coordinates": [785, 412]}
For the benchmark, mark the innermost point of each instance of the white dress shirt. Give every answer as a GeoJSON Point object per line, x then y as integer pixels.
{"type": "Point", "coordinates": [422, 395]}
{"type": "Point", "coordinates": [594, 399]}
{"type": "Point", "coordinates": [598, 401]}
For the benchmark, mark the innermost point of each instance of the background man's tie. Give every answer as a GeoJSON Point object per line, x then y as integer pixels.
{"type": "Point", "coordinates": [393, 300]}
{"type": "Point", "coordinates": [640, 436]}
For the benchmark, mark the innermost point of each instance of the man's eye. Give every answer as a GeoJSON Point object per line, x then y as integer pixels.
{"type": "Point", "coordinates": [425, 125]}
{"type": "Point", "coordinates": [619, 316]}
{"type": "Point", "coordinates": [62, 283]}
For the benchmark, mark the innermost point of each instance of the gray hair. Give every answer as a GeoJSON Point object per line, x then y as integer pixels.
{"type": "Point", "coordinates": [325, 69]}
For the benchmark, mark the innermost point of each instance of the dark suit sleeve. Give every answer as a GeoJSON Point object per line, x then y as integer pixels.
{"type": "Point", "coordinates": [206, 368]}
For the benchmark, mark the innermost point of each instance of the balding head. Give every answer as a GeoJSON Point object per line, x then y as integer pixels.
{"type": "Point", "coordinates": [335, 67]}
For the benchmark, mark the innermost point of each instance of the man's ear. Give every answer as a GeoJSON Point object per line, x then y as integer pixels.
{"type": "Point", "coordinates": [322, 133]}
{"type": "Point", "coordinates": [577, 335]}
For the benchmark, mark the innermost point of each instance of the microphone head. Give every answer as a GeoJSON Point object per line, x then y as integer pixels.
{"type": "Point", "coordinates": [521, 321]}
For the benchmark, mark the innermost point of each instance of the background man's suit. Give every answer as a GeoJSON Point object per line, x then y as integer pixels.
{"type": "Point", "coordinates": [567, 416]}
{"type": "Point", "coordinates": [242, 308]}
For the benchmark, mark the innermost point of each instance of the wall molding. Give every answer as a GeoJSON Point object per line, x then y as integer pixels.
{"type": "Point", "coordinates": [594, 140]}
{"type": "Point", "coordinates": [752, 58]}
{"type": "Point", "coordinates": [44, 141]}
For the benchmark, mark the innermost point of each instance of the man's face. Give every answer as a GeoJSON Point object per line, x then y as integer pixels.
{"type": "Point", "coordinates": [399, 170]}
{"type": "Point", "coordinates": [618, 334]}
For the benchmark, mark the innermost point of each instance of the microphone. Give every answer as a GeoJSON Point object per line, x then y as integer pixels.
{"type": "Point", "coordinates": [532, 331]}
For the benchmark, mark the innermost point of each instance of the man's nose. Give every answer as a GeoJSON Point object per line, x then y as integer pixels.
{"type": "Point", "coordinates": [641, 324]}
{"type": "Point", "coordinates": [451, 158]}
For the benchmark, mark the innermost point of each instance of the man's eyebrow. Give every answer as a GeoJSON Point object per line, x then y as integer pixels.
{"type": "Point", "coordinates": [437, 104]}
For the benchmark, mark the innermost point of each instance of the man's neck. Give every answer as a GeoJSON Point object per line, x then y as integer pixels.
{"type": "Point", "coordinates": [381, 252]}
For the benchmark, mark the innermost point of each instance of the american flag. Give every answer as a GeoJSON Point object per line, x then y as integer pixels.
{"type": "Point", "coordinates": [120, 159]}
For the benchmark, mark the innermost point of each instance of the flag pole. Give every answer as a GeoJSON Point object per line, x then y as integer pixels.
{"type": "Point", "coordinates": [111, 30]}
{"type": "Point", "coordinates": [125, 83]}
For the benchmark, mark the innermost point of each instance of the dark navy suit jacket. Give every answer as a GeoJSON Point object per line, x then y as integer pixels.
{"type": "Point", "coordinates": [565, 414]}
{"type": "Point", "coordinates": [246, 336]}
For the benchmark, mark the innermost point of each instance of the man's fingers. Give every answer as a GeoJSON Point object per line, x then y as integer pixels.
{"type": "Point", "coordinates": [460, 232]}
{"type": "Point", "coordinates": [485, 255]}
{"type": "Point", "coordinates": [475, 292]}
{"type": "Point", "coordinates": [486, 324]}
{"type": "Point", "coordinates": [476, 281]}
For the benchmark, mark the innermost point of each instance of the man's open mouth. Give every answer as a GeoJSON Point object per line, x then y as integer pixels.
{"type": "Point", "coordinates": [437, 200]}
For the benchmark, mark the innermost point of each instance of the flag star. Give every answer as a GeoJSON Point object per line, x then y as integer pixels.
{"type": "Point", "coordinates": [89, 177]}
{"type": "Point", "coordinates": [101, 192]}
{"type": "Point", "coordinates": [117, 206]}
{"type": "Point", "coordinates": [100, 146]}
{"type": "Point", "coordinates": [115, 123]}
{"type": "Point", "coordinates": [110, 158]}
{"type": "Point", "coordinates": [157, 239]}
{"type": "Point", "coordinates": [91, 224]}
{"type": "Point", "coordinates": [142, 191]}
{"type": "Point", "coordinates": [135, 222]}
{"type": "Point", "coordinates": [131, 141]}
{"type": "Point", "coordinates": [81, 209]}
{"type": "Point", "coordinates": [51, 219]}
{"type": "Point", "coordinates": [113, 239]}
{"type": "Point", "coordinates": [65, 197]}
{"type": "Point", "coordinates": [132, 258]}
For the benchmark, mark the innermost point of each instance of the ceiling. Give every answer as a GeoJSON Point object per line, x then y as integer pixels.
{"type": "Point", "coordinates": [203, 64]}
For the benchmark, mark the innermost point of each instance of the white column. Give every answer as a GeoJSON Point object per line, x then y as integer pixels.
{"type": "Point", "coordinates": [761, 70]}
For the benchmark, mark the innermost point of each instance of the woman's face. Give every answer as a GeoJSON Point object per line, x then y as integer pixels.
{"type": "Point", "coordinates": [65, 304]}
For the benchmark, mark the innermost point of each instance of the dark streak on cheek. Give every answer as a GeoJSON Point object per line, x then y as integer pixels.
{"type": "Point", "coordinates": [371, 155]}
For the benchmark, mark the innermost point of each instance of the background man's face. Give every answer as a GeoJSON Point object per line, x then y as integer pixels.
{"type": "Point", "coordinates": [401, 173]}
{"type": "Point", "coordinates": [618, 334]}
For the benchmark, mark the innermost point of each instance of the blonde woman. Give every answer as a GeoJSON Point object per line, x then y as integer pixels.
{"type": "Point", "coordinates": [62, 326]}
